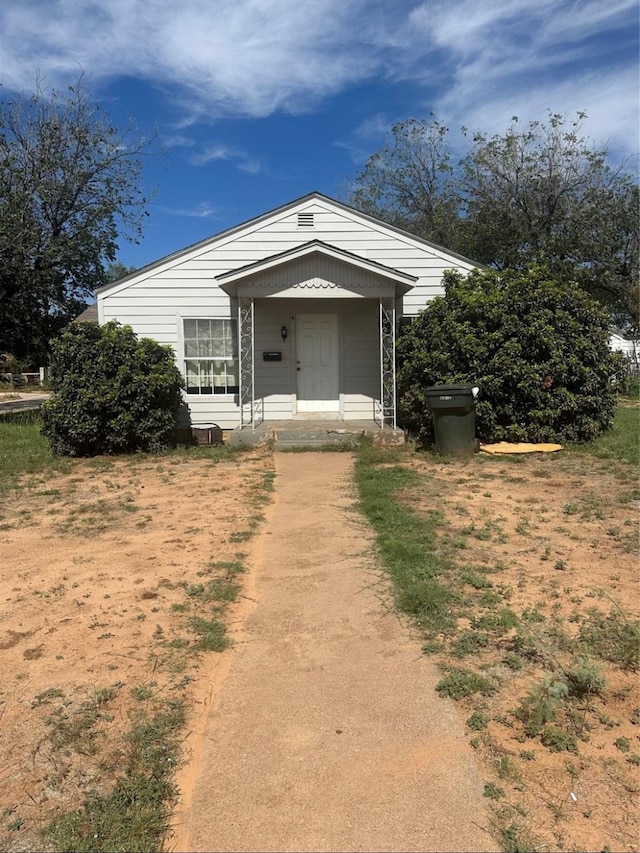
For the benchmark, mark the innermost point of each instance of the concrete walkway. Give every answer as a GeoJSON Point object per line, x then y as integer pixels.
{"type": "Point", "coordinates": [17, 402]}
{"type": "Point", "coordinates": [324, 732]}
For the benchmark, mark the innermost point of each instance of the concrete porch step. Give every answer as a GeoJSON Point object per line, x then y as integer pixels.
{"type": "Point", "coordinates": [304, 433]}
{"type": "Point", "coordinates": [314, 436]}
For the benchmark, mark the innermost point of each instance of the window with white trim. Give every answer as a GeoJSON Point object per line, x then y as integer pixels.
{"type": "Point", "coordinates": [211, 356]}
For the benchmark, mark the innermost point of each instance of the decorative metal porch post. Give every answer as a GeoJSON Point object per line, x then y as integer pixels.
{"type": "Point", "coordinates": [388, 362]}
{"type": "Point", "coordinates": [247, 346]}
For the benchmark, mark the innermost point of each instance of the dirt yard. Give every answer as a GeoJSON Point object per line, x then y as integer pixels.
{"type": "Point", "coordinates": [101, 568]}
{"type": "Point", "coordinates": [552, 539]}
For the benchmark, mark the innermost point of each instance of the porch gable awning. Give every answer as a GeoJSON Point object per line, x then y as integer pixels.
{"type": "Point", "coordinates": [315, 269]}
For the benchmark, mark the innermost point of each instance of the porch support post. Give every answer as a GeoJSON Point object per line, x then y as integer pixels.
{"type": "Point", "coordinates": [247, 358]}
{"type": "Point", "coordinates": [388, 362]}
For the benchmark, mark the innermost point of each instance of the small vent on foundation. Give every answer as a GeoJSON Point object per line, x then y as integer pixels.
{"type": "Point", "coordinates": [305, 220]}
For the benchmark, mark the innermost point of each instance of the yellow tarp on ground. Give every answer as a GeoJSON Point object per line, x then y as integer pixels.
{"type": "Point", "coordinates": [519, 447]}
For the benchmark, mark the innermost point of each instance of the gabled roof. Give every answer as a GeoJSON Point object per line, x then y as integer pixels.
{"type": "Point", "coordinates": [228, 279]}
{"type": "Point", "coordinates": [256, 221]}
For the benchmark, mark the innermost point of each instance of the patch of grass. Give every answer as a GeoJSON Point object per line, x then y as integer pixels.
{"type": "Point", "coordinates": [514, 840]}
{"type": "Point", "coordinates": [474, 579]}
{"type": "Point", "coordinates": [622, 441]}
{"type": "Point", "coordinates": [497, 630]}
{"type": "Point", "coordinates": [469, 643]}
{"type": "Point", "coordinates": [493, 792]}
{"type": "Point", "coordinates": [135, 814]}
{"type": "Point", "coordinates": [46, 697]}
{"type": "Point", "coordinates": [77, 729]}
{"type": "Point", "coordinates": [585, 678]}
{"type": "Point", "coordinates": [24, 449]}
{"type": "Point", "coordinates": [212, 634]}
{"type": "Point", "coordinates": [478, 721]}
{"type": "Point", "coordinates": [221, 589]}
{"type": "Point", "coordinates": [613, 637]}
{"type": "Point", "coordinates": [559, 740]}
{"type": "Point", "coordinates": [95, 516]}
{"type": "Point", "coordinates": [459, 683]}
{"type": "Point", "coordinates": [513, 661]}
{"type": "Point", "coordinates": [498, 622]}
{"type": "Point", "coordinates": [623, 744]}
{"type": "Point", "coordinates": [142, 692]}
{"type": "Point", "coordinates": [406, 541]}
{"type": "Point", "coordinates": [231, 567]}
{"type": "Point", "coordinates": [541, 704]}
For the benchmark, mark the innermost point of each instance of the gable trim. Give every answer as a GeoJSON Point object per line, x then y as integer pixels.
{"type": "Point", "coordinates": [229, 280]}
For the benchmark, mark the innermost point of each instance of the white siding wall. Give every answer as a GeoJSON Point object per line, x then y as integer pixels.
{"type": "Point", "coordinates": [361, 360]}
{"type": "Point", "coordinates": [620, 344]}
{"type": "Point", "coordinates": [274, 380]}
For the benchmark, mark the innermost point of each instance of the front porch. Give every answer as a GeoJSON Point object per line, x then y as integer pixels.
{"type": "Point", "coordinates": [316, 330]}
{"type": "Point", "coordinates": [316, 432]}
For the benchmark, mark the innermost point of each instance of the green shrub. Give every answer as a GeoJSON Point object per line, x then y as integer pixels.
{"type": "Point", "coordinates": [539, 706]}
{"type": "Point", "coordinates": [493, 791]}
{"type": "Point", "coordinates": [537, 349]}
{"type": "Point", "coordinates": [586, 678]}
{"type": "Point", "coordinates": [558, 740]}
{"type": "Point", "coordinates": [112, 392]}
{"type": "Point", "coordinates": [478, 721]}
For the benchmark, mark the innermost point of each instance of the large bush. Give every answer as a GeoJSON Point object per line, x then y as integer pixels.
{"type": "Point", "coordinates": [112, 392]}
{"type": "Point", "coordinates": [537, 349]}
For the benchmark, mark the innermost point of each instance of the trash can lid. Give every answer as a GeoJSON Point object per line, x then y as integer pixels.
{"type": "Point", "coordinates": [458, 388]}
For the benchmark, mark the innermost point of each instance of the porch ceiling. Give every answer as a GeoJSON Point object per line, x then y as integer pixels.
{"type": "Point", "coordinates": [316, 269]}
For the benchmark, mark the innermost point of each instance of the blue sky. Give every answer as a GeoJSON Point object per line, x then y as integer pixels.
{"type": "Point", "coordinates": [258, 102]}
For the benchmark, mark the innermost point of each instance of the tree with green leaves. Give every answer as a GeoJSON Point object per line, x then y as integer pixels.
{"type": "Point", "coordinates": [541, 193]}
{"type": "Point", "coordinates": [410, 182]}
{"type": "Point", "coordinates": [537, 349]}
{"type": "Point", "coordinates": [117, 270]}
{"type": "Point", "coordinates": [69, 191]}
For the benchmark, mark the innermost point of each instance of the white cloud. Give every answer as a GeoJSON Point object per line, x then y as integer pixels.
{"type": "Point", "coordinates": [218, 151]}
{"type": "Point", "coordinates": [231, 57]}
{"type": "Point", "coordinates": [202, 210]}
{"type": "Point", "coordinates": [527, 57]}
{"type": "Point", "coordinates": [177, 140]}
{"type": "Point", "coordinates": [211, 153]}
{"type": "Point", "coordinates": [370, 134]}
{"type": "Point", "coordinates": [471, 62]}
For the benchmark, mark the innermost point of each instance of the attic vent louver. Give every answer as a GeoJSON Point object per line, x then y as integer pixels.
{"type": "Point", "coordinates": [305, 220]}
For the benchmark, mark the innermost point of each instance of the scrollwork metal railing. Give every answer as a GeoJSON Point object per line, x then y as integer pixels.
{"type": "Point", "coordinates": [388, 362]}
{"type": "Point", "coordinates": [246, 334]}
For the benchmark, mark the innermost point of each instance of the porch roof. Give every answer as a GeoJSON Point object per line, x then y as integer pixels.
{"type": "Point", "coordinates": [256, 278]}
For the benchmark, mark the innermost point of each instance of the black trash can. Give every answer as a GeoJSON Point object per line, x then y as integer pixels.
{"type": "Point", "coordinates": [454, 418]}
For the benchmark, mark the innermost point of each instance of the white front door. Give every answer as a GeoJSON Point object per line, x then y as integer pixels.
{"type": "Point", "coordinates": [317, 362]}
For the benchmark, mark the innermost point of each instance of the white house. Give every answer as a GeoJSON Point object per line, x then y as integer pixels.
{"type": "Point", "coordinates": [292, 314]}
{"type": "Point", "coordinates": [619, 343]}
